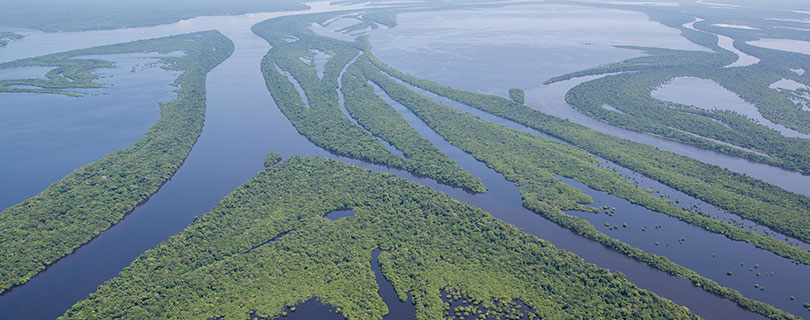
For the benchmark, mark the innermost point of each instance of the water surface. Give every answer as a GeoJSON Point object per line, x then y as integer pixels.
{"type": "Point", "coordinates": [709, 95]}
{"type": "Point", "coordinates": [36, 130]}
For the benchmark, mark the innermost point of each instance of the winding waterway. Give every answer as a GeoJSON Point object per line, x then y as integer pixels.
{"type": "Point", "coordinates": [242, 125]}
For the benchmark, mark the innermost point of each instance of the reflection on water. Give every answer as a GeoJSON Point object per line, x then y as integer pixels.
{"type": "Point", "coordinates": [550, 99]}
{"type": "Point", "coordinates": [242, 125]}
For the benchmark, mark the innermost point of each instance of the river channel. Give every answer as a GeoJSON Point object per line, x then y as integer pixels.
{"type": "Point", "coordinates": [243, 124]}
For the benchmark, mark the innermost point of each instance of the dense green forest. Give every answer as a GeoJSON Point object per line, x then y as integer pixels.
{"type": "Point", "coordinates": [434, 243]}
{"type": "Point", "coordinates": [752, 199]}
{"type": "Point", "coordinates": [80, 15]}
{"type": "Point", "coordinates": [320, 118]}
{"type": "Point", "coordinates": [515, 155]}
{"type": "Point", "coordinates": [517, 95]}
{"type": "Point", "coordinates": [630, 92]}
{"type": "Point", "coordinates": [73, 210]}
{"type": "Point", "coordinates": [6, 37]}
{"type": "Point", "coordinates": [269, 246]}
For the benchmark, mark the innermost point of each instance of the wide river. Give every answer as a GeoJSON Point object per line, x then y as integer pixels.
{"type": "Point", "coordinates": [243, 125]}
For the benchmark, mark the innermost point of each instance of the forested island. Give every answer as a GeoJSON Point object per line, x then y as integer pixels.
{"type": "Point", "coordinates": [6, 37]}
{"type": "Point", "coordinates": [73, 210]}
{"type": "Point", "coordinates": [223, 266]}
{"type": "Point", "coordinates": [321, 225]}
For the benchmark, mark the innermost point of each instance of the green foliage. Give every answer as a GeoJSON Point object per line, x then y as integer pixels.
{"type": "Point", "coordinates": [272, 159]}
{"type": "Point", "coordinates": [502, 149]}
{"type": "Point", "coordinates": [73, 210]}
{"type": "Point", "coordinates": [379, 118]}
{"type": "Point", "coordinates": [515, 155]}
{"type": "Point", "coordinates": [435, 243]}
{"type": "Point", "coordinates": [6, 37]}
{"type": "Point", "coordinates": [630, 93]}
{"type": "Point", "coordinates": [320, 118]}
{"type": "Point", "coordinates": [517, 95]}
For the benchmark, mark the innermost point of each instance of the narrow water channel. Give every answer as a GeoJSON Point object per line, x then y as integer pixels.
{"type": "Point", "coordinates": [550, 100]}
{"type": "Point", "coordinates": [242, 125]}
{"type": "Point", "coordinates": [504, 202]}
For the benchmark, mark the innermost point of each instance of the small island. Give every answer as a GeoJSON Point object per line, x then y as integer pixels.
{"type": "Point", "coordinates": [6, 37]}
{"type": "Point", "coordinates": [517, 95]}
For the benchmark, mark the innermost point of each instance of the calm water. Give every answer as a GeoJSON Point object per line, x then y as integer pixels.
{"type": "Point", "coordinates": [504, 202]}
{"type": "Point", "coordinates": [789, 45]}
{"type": "Point", "coordinates": [242, 125]}
{"type": "Point", "coordinates": [693, 254]}
{"type": "Point", "coordinates": [743, 59]}
{"type": "Point", "coordinates": [37, 129]}
{"type": "Point", "coordinates": [451, 48]}
{"type": "Point", "coordinates": [709, 95]}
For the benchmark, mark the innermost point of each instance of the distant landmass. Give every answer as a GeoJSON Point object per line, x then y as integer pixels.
{"type": "Point", "coordinates": [50, 16]}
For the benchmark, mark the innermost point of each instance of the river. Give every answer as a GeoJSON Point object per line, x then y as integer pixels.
{"type": "Point", "coordinates": [242, 126]}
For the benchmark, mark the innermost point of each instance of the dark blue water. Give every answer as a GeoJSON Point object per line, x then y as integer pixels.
{"type": "Point", "coordinates": [43, 137]}
{"type": "Point", "coordinates": [700, 254]}
{"type": "Point", "coordinates": [242, 125]}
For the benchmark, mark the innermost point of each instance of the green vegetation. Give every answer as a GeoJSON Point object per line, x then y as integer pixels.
{"type": "Point", "coordinates": [322, 120]}
{"type": "Point", "coordinates": [92, 198]}
{"type": "Point", "coordinates": [435, 243]}
{"type": "Point", "coordinates": [272, 159]}
{"type": "Point", "coordinates": [6, 37]}
{"type": "Point", "coordinates": [379, 118]}
{"type": "Point", "coordinates": [80, 15]}
{"type": "Point", "coordinates": [517, 95]}
{"type": "Point", "coordinates": [629, 92]}
{"type": "Point", "coordinates": [513, 154]}
{"type": "Point", "coordinates": [465, 307]}
{"type": "Point", "coordinates": [752, 199]}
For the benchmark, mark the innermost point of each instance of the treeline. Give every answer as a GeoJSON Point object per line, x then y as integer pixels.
{"type": "Point", "coordinates": [434, 242]}
{"type": "Point", "coordinates": [517, 95]}
{"type": "Point", "coordinates": [630, 93]}
{"type": "Point", "coordinates": [502, 150]}
{"type": "Point", "coordinates": [380, 118]}
{"type": "Point", "coordinates": [322, 121]}
{"type": "Point", "coordinates": [6, 37]}
{"type": "Point", "coordinates": [83, 204]}
{"type": "Point", "coordinates": [749, 198]}
{"type": "Point", "coordinates": [66, 74]}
